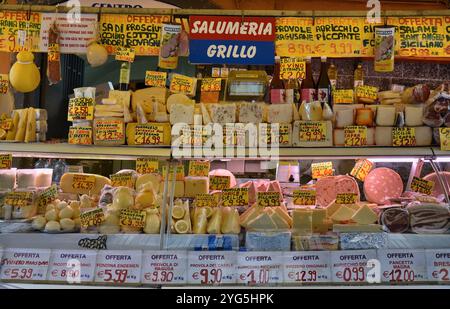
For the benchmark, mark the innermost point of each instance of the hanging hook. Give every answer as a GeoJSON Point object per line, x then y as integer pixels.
{"type": "Point", "coordinates": [171, 16]}
{"type": "Point", "coordinates": [28, 14]}
{"type": "Point", "coordinates": [242, 17]}
{"type": "Point", "coordinates": [313, 18]}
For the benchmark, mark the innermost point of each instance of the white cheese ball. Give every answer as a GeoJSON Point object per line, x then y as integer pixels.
{"type": "Point", "coordinates": [39, 223]}
{"type": "Point", "coordinates": [67, 224]}
{"type": "Point", "coordinates": [51, 215]}
{"type": "Point", "coordinates": [50, 207]}
{"type": "Point", "coordinates": [66, 212]}
{"type": "Point", "coordinates": [77, 223]}
{"type": "Point", "coordinates": [52, 226]}
{"type": "Point", "coordinates": [76, 213]}
{"type": "Point", "coordinates": [61, 205]}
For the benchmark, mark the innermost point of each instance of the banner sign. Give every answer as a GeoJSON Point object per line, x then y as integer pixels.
{"type": "Point", "coordinates": [19, 31]}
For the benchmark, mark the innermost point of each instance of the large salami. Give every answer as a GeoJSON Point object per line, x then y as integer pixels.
{"type": "Point", "coordinates": [382, 184]}
{"type": "Point", "coordinates": [438, 190]}
{"type": "Point", "coordinates": [328, 187]}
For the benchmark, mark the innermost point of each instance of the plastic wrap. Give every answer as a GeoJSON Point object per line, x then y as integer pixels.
{"type": "Point", "coordinates": [315, 242]}
{"type": "Point", "coordinates": [362, 241]}
{"type": "Point", "coordinates": [266, 241]}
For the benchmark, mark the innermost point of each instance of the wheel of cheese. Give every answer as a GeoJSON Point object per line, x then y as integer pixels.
{"type": "Point", "coordinates": [328, 187]}
{"type": "Point", "coordinates": [438, 190]}
{"type": "Point", "coordinates": [381, 184]}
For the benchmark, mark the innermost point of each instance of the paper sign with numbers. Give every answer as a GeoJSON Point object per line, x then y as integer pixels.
{"type": "Point", "coordinates": [133, 218]}
{"type": "Point", "coordinates": [402, 265]}
{"type": "Point", "coordinates": [5, 161]}
{"type": "Point", "coordinates": [118, 267]}
{"type": "Point", "coordinates": [80, 135]}
{"type": "Point", "coordinates": [343, 96]}
{"type": "Point", "coordinates": [321, 169]}
{"type": "Point", "coordinates": [269, 199]}
{"type": "Point", "coordinates": [19, 198]}
{"type": "Point", "coordinates": [304, 197]}
{"type": "Point", "coordinates": [403, 137]}
{"type": "Point", "coordinates": [206, 200]}
{"type": "Point", "coordinates": [355, 136]}
{"type": "Point", "coordinates": [444, 136]}
{"type": "Point", "coordinates": [307, 267]}
{"type": "Point", "coordinates": [164, 267]}
{"type": "Point", "coordinates": [219, 182]}
{"type": "Point", "coordinates": [149, 134]}
{"type": "Point", "coordinates": [122, 180]}
{"type": "Point", "coordinates": [6, 124]}
{"type": "Point", "coordinates": [294, 68]}
{"type": "Point", "coordinates": [422, 186]}
{"type": "Point", "coordinates": [155, 79]}
{"type": "Point", "coordinates": [21, 264]}
{"type": "Point", "coordinates": [346, 198]}
{"type": "Point", "coordinates": [72, 266]}
{"type": "Point", "coordinates": [4, 83]}
{"type": "Point", "coordinates": [125, 54]}
{"type": "Point", "coordinates": [84, 182]}
{"type": "Point", "coordinates": [81, 109]}
{"type": "Point", "coordinates": [367, 92]}
{"type": "Point", "coordinates": [259, 268]}
{"type": "Point", "coordinates": [438, 265]}
{"type": "Point", "coordinates": [235, 197]}
{"type": "Point", "coordinates": [211, 267]}
{"type": "Point", "coordinates": [352, 266]}
{"type": "Point", "coordinates": [313, 131]}
{"type": "Point", "coordinates": [47, 196]}
{"type": "Point", "coordinates": [183, 84]}
{"type": "Point", "coordinates": [146, 166]}
{"type": "Point", "coordinates": [92, 217]}
{"type": "Point", "coordinates": [199, 168]}
{"type": "Point", "coordinates": [211, 84]}
{"type": "Point", "coordinates": [109, 130]}
{"type": "Point", "coordinates": [361, 169]}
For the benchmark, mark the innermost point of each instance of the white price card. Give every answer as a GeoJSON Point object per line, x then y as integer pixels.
{"type": "Point", "coordinates": [211, 267]}
{"type": "Point", "coordinates": [438, 265]}
{"type": "Point", "coordinates": [118, 267]}
{"type": "Point", "coordinates": [72, 266]}
{"type": "Point", "coordinates": [353, 266]}
{"type": "Point", "coordinates": [260, 268]}
{"type": "Point", "coordinates": [164, 267]}
{"type": "Point", "coordinates": [402, 265]}
{"type": "Point", "coordinates": [306, 267]}
{"type": "Point", "coordinates": [23, 264]}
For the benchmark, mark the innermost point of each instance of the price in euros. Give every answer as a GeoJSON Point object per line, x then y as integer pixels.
{"type": "Point", "coordinates": [73, 274]}
{"type": "Point", "coordinates": [159, 276]}
{"type": "Point", "coordinates": [211, 276]}
{"type": "Point", "coordinates": [253, 277]}
{"type": "Point", "coordinates": [303, 276]}
{"type": "Point", "coordinates": [441, 274]}
{"type": "Point", "coordinates": [399, 275]}
{"type": "Point", "coordinates": [21, 274]}
{"type": "Point", "coordinates": [353, 274]}
{"type": "Point", "coordinates": [114, 276]}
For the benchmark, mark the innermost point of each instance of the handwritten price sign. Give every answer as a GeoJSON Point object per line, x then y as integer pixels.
{"type": "Point", "coordinates": [219, 182]}
{"type": "Point", "coordinates": [307, 267]}
{"type": "Point", "coordinates": [199, 168]}
{"type": "Point", "coordinates": [80, 135]}
{"type": "Point", "coordinates": [109, 130]}
{"type": "Point", "coordinates": [118, 267]}
{"type": "Point", "coordinates": [278, 134]}
{"type": "Point", "coordinates": [81, 109]}
{"type": "Point", "coordinates": [292, 68]}
{"type": "Point", "coordinates": [313, 131]}
{"type": "Point", "coordinates": [422, 186]}
{"type": "Point", "coordinates": [321, 169]}
{"type": "Point", "coordinates": [259, 268]}
{"type": "Point", "coordinates": [122, 180]}
{"type": "Point", "coordinates": [19, 198]}
{"type": "Point", "coordinates": [155, 78]}
{"type": "Point", "coordinates": [5, 161]}
{"type": "Point", "coordinates": [212, 267]}
{"type": "Point", "coordinates": [351, 266]}
{"type": "Point", "coordinates": [361, 169]}
{"type": "Point", "coordinates": [444, 135]}
{"type": "Point", "coordinates": [4, 83]}
{"type": "Point", "coordinates": [132, 218]}
{"type": "Point", "coordinates": [206, 200]}
{"type": "Point", "coordinates": [304, 197]}
{"type": "Point", "coordinates": [403, 137]}
{"type": "Point", "coordinates": [47, 196]}
{"type": "Point", "coordinates": [355, 136]}
{"type": "Point", "coordinates": [164, 267]}
{"type": "Point", "coordinates": [72, 266]}
{"type": "Point", "coordinates": [269, 199]}
{"type": "Point", "coordinates": [149, 134]}
{"type": "Point", "coordinates": [343, 96]}
{"type": "Point", "coordinates": [125, 54]}
{"type": "Point", "coordinates": [182, 84]}
{"type": "Point", "coordinates": [346, 198]}
{"type": "Point", "coordinates": [84, 182]}
{"type": "Point", "coordinates": [402, 265]}
{"type": "Point", "coordinates": [21, 264]}
{"type": "Point", "coordinates": [438, 265]}
{"type": "Point", "coordinates": [92, 217]}
{"type": "Point", "coordinates": [146, 166]}
{"type": "Point", "coordinates": [211, 84]}
{"type": "Point", "coordinates": [235, 197]}
{"type": "Point", "coordinates": [367, 92]}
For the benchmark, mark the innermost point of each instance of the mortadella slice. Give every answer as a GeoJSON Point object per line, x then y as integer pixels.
{"type": "Point", "coordinates": [382, 184]}
{"type": "Point", "coordinates": [328, 187]}
{"type": "Point", "coordinates": [438, 190]}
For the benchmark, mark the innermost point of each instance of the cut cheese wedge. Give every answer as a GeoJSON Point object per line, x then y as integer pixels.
{"type": "Point", "coordinates": [279, 221]}
{"type": "Point", "coordinates": [284, 214]}
{"type": "Point", "coordinates": [262, 223]}
{"type": "Point", "coordinates": [343, 214]}
{"type": "Point", "coordinates": [250, 214]}
{"type": "Point", "coordinates": [365, 215]}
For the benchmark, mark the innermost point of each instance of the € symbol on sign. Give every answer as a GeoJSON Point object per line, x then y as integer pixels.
{"type": "Point", "coordinates": [195, 276]}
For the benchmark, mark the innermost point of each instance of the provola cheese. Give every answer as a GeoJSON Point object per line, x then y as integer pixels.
{"type": "Point", "coordinates": [163, 128]}
{"type": "Point", "coordinates": [68, 187]}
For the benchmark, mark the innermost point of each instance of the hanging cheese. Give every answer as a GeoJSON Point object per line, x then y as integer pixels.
{"type": "Point", "coordinates": [385, 116]}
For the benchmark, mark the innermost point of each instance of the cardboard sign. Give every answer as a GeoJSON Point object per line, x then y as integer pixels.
{"type": "Point", "coordinates": [361, 169]}
{"type": "Point", "coordinates": [109, 130]}
{"type": "Point", "coordinates": [304, 197]}
{"type": "Point", "coordinates": [122, 180]}
{"type": "Point", "coordinates": [444, 135]}
{"type": "Point", "coordinates": [313, 131]}
{"type": "Point", "coordinates": [21, 32]}
{"type": "Point", "coordinates": [92, 217]}
{"type": "Point", "coordinates": [81, 109]}
{"type": "Point", "coordinates": [183, 84]}
{"type": "Point", "coordinates": [47, 196]}
{"type": "Point", "coordinates": [206, 200]}
{"type": "Point", "coordinates": [199, 168]}
{"type": "Point", "coordinates": [292, 68]}
{"type": "Point", "coordinates": [219, 182]}
{"type": "Point", "coordinates": [346, 198]}
{"type": "Point", "coordinates": [84, 182]}
{"type": "Point", "coordinates": [211, 84]}
{"type": "Point", "coordinates": [422, 186]}
{"type": "Point", "coordinates": [355, 136]}
{"type": "Point", "coordinates": [19, 198]}
{"type": "Point", "coordinates": [147, 165]}
{"type": "Point", "coordinates": [343, 96]}
{"type": "Point", "coordinates": [367, 92]}
{"type": "Point", "coordinates": [321, 169]}
{"type": "Point", "coordinates": [149, 134]}
{"type": "Point", "coordinates": [4, 83]}
{"type": "Point", "coordinates": [5, 161]}
{"type": "Point", "coordinates": [132, 218]}
{"type": "Point", "coordinates": [403, 137]}
{"type": "Point", "coordinates": [155, 79]}
{"type": "Point", "coordinates": [235, 197]}
{"type": "Point", "coordinates": [295, 37]}
{"type": "Point", "coordinates": [80, 135]}
{"type": "Point", "coordinates": [164, 267]}
{"type": "Point", "coordinates": [269, 199]}
{"type": "Point", "coordinates": [125, 54]}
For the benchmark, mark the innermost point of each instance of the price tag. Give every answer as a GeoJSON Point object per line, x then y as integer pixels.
{"type": "Point", "coordinates": [307, 267]}
{"type": "Point", "coordinates": [355, 136]}
{"type": "Point", "coordinates": [259, 268]}
{"type": "Point", "coordinates": [182, 84]}
{"type": "Point", "coordinates": [109, 130]}
{"type": "Point", "coordinates": [321, 169]}
{"type": "Point", "coordinates": [179, 172]}
{"type": "Point", "coordinates": [278, 134]}
{"type": "Point", "coordinates": [92, 217]}
{"type": "Point", "coordinates": [346, 198]}
{"type": "Point", "coordinates": [72, 266]}
{"type": "Point", "coordinates": [147, 166]}
{"type": "Point", "coordinates": [313, 131]}
{"type": "Point", "coordinates": [352, 266]}
{"type": "Point", "coordinates": [422, 186]}
{"type": "Point", "coordinates": [82, 181]}
{"type": "Point", "coordinates": [5, 161]}
{"type": "Point", "coordinates": [367, 92]}
{"type": "Point", "coordinates": [211, 267]}
{"type": "Point", "coordinates": [125, 54]}
{"type": "Point", "coordinates": [22, 264]}
{"type": "Point", "coordinates": [6, 124]}
{"type": "Point", "coordinates": [235, 197]}
{"type": "Point", "coordinates": [438, 265]}
{"type": "Point", "coordinates": [53, 54]}
{"type": "Point", "coordinates": [403, 137]}
{"type": "Point", "coordinates": [269, 199]}
{"type": "Point", "coordinates": [444, 136]}
{"type": "Point", "coordinates": [155, 79]}
{"type": "Point", "coordinates": [132, 217]}
{"type": "Point", "coordinates": [211, 84]}
{"type": "Point", "coordinates": [149, 134]}
{"type": "Point", "coordinates": [199, 168]}
{"type": "Point", "coordinates": [402, 265]}
{"type": "Point", "coordinates": [219, 182]}
{"type": "Point", "coordinates": [122, 180]}
{"type": "Point", "coordinates": [81, 109]}
{"type": "Point", "coordinates": [343, 96]}
{"type": "Point", "coordinates": [118, 267]}
{"type": "Point", "coordinates": [4, 83]}
{"type": "Point", "coordinates": [215, 72]}
{"type": "Point", "coordinates": [292, 68]}
{"type": "Point", "coordinates": [47, 196]}
{"type": "Point", "coordinates": [206, 200]}
{"type": "Point", "coordinates": [361, 169]}
{"type": "Point", "coordinates": [304, 197]}
{"type": "Point", "coordinates": [164, 267]}
{"type": "Point", "coordinates": [80, 135]}
{"type": "Point", "coordinates": [19, 198]}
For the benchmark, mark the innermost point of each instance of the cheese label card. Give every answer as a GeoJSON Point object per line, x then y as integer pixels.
{"type": "Point", "coordinates": [438, 265]}
{"type": "Point", "coordinates": [6, 124]}
{"type": "Point", "coordinates": [307, 267]}
{"type": "Point", "coordinates": [47, 196]}
{"type": "Point", "coordinates": [164, 267]}
{"type": "Point", "coordinates": [118, 267]}
{"type": "Point", "coordinates": [122, 180]}
{"type": "Point", "coordinates": [292, 68]}
{"type": "Point", "coordinates": [211, 84]}
{"type": "Point", "coordinates": [343, 96]}
{"type": "Point", "coordinates": [199, 168]}
{"type": "Point", "coordinates": [22, 264]}
{"type": "Point", "coordinates": [80, 135]}
{"type": "Point", "coordinates": [313, 131]}
{"type": "Point", "coordinates": [361, 169]}
{"type": "Point", "coordinates": [353, 266]}
{"type": "Point", "coordinates": [235, 197]}
{"type": "Point", "coordinates": [5, 161]}
{"type": "Point", "coordinates": [19, 198]}
{"type": "Point", "coordinates": [149, 134]}
{"type": "Point", "coordinates": [81, 109]}
{"type": "Point", "coordinates": [109, 130]}
{"type": "Point", "coordinates": [182, 84]}
{"type": "Point", "coordinates": [219, 182]}
{"type": "Point", "coordinates": [92, 217]}
{"type": "Point", "coordinates": [444, 135]}
{"type": "Point", "coordinates": [125, 54]}
{"type": "Point", "coordinates": [211, 267]}
{"type": "Point", "coordinates": [215, 72]}
{"type": "Point", "coordinates": [179, 172]}
{"type": "Point", "coordinates": [272, 134]}
{"type": "Point", "coordinates": [146, 166]}
{"type": "Point", "coordinates": [269, 199]}
{"type": "Point", "coordinates": [346, 198]}
{"type": "Point", "coordinates": [402, 265]}
{"type": "Point", "coordinates": [367, 92]}
{"type": "Point", "coordinates": [422, 186]}
{"type": "Point", "coordinates": [403, 137]}
{"type": "Point", "coordinates": [4, 83]}
{"type": "Point", "coordinates": [155, 79]}
{"type": "Point", "coordinates": [53, 54]}
{"type": "Point", "coordinates": [72, 266]}
{"type": "Point", "coordinates": [321, 169]}
{"type": "Point", "coordinates": [84, 182]}
{"type": "Point", "coordinates": [355, 136]}
{"type": "Point", "coordinates": [132, 217]}
{"type": "Point", "coordinates": [304, 197]}
{"type": "Point", "coordinates": [259, 268]}
{"type": "Point", "coordinates": [206, 200]}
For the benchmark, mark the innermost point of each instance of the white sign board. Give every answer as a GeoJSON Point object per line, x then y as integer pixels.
{"type": "Point", "coordinates": [164, 267]}
{"type": "Point", "coordinates": [438, 265]}
{"type": "Point", "coordinates": [350, 266]}
{"type": "Point", "coordinates": [260, 268]}
{"type": "Point", "coordinates": [19, 264]}
{"type": "Point", "coordinates": [118, 267]}
{"type": "Point", "coordinates": [307, 267]}
{"type": "Point", "coordinates": [72, 266]}
{"type": "Point", "coordinates": [402, 265]}
{"type": "Point", "coordinates": [211, 267]}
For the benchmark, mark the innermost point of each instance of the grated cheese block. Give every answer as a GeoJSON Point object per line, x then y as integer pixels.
{"type": "Point", "coordinates": [385, 116]}
{"type": "Point", "coordinates": [67, 182]}
{"type": "Point", "coordinates": [279, 113]}
{"type": "Point", "coordinates": [222, 112]}
{"type": "Point", "coordinates": [181, 113]}
{"type": "Point", "coordinates": [250, 112]}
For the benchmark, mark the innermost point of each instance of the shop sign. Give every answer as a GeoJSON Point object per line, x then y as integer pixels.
{"type": "Point", "coordinates": [72, 266]}
{"type": "Point", "coordinates": [211, 268]}
{"type": "Point", "coordinates": [164, 267]}
{"type": "Point", "coordinates": [23, 264]}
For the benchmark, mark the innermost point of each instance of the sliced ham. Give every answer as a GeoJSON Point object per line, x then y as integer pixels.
{"type": "Point", "coordinates": [382, 184]}
{"type": "Point", "coordinates": [438, 189]}
{"type": "Point", "coordinates": [328, 187]}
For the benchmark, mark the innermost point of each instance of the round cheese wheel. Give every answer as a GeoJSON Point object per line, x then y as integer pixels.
{"type": "Point", "coordinates": [66, 212]}
{"type": "Point", "coordinates": [52, 226]}
{"type": "Point", "coordinates": [381, 184]}
{"type": "Point", "coordinates": [222, 172]}
{"type": "Point", "coordinates": [438, 189]}
{"type": "Point", "coordinates": [39, 223]}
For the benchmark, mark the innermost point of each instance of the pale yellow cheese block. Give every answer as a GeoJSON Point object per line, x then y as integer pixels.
{"type": "Point", "coordinates": [302, 222]}
{"type": "Point", "coordinates": [279, 221]}
{"type": "Point", "coordinates": [30, 134]}
{"type": "Point", "coordinates": [67, 182]}
{"type": "Point", "coordinates": [179, 188]}
{"type": "Point", "coordinates": [195, 186]}
{"type": "Point", "coordinates": [365, 215]}
{"type": "Point", "coordinates": [153, 180]}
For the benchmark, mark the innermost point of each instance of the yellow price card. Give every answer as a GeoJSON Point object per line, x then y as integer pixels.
{"type": "Point", "coordinates": [346, 198]}
{"type": "Point", "coordinates": [403, 137]}
{"type": "Point", "coordinates": [19, 198]}
{"type": "Point", "coordinates": [211, 84]}
{"type": "Point", "coordinates": [444, 135]}
{"type": "Point", "coordinates": [4, 83]}
{"type": "Point", "coordinates": [269, 199]}
{"type": "Point", "coordinates": [132, 218]}
{"type": "Point", "coordinates": [206, 200]}
{"type": "Point", "coordinates": [361, 169]}
{"type": "Point", "coordinates": [292, 68]}
{"type": "Point", "coordinates": [182, 84]}
{"type": "Point", "coordinates": [47, 196]}
{"type": "Point", "coordinates": [343, 96]}
{"type": "Point", "coordinates": [199, 168]}
{"type": "Point", "coordinates": [313, 131]}
{"type": "Point", "coordinates": [149, 134]}
{"type": "Point", "coordinates": [179, 172]}
{"type": "Point", "coordinates": [321, 169]}
{"type": "Point", "coordinates": [80, 135]}
{"type": "Point", "coordinates": [109, 130]}
{"type": "Point", "coordinates": [5, 161]}
{"type": "Point", "coordinates": [355, 136]}
{"type": "Point", "coordinates": [122, 180]}
{"type": "Point", "coordinates": [92, 217]}
{"type": "Point", "coordinates": [155, 79]}
{"type": "Point", "coordinates": [83, 182]}
{"type": "Point", "coordinates": [80, 109]}
{"type": "Point", "coordinates": [147, 165]}
{"type": "Point", "coordinates": [422, 186]}
{"type": "Point", "coordinates": [235, 197]}
{"type": "Point", "coordinates": [304, 197]}
{"type": "Point", "coordinates": [367, 92]}
{"type": "Point", "coordinates": [219, 182]}
{"type": "Point", "coordinates": [125, 54]}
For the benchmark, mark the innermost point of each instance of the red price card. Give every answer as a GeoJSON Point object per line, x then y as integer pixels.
{"type": "Point", "coordinates": [118, 267]}
{"type": "Point", "coordinates": [22, 264]}
{"type": "Point", "coordinates": [164, 267]}
{"type": "Point", "coordinates": [72, 266]}
{"type": "Point", "coordinates": [438, 265]}
{"type": "Point", "coordinates": [352, 266]}
{"type": "Point", "coordinates": [211, 267]}
{"type": "Point", "coordinates": [402, 265]}
{"type": "Point", "coordinates": [307, 267]}
{"type": "Point", "coordinates": [259, 268]}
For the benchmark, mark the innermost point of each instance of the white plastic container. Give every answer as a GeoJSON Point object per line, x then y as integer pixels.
{"type": "Point", "coordinates": [8, 178]}
{"type": "Point", "coordinates": [43, 177]}
{"type": "Point", "coordinates": [26, 178]}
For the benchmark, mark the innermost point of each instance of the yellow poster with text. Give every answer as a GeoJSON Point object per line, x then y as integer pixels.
{"type": "Point", "coordinates": [295, 37]}
{"type": "Point", "coordinates": [19, 31]}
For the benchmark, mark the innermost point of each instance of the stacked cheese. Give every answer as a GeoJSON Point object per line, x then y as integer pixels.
{"type": "Point", "coordinates": [25, 125]}
{"type": "Point", "coordinates": [353, 217]}
{"type": "Point", "coordinates": [266, 219]}
{"type": "Point", "coordinates": [346, 115]}
{"type": "Point", "coordinates": [59, 216]}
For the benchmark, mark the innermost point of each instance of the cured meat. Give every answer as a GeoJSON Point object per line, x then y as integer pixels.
{"type": "Point", "coordinates": [328, 187]}
{"type": "Point", "coordinates": [396, 220]}
{"type": "Point", "coordinates": [382, 184]}
{"type": "Point", "coordinates": [438, 189]}
{"type": "Point", "coordinates": [429, 218]}
{"type": "Point", "coordinates": [53, 56]}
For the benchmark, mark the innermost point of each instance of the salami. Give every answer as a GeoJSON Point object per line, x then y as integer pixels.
{"type": "Point", "coordinates": [438, 190]}
{"type": "Point", "coordinates": [382, 184]}
{"type": "Point", "coordinates": [328, 187]}
{"type": "Point", "coordinates": [53, 56]}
